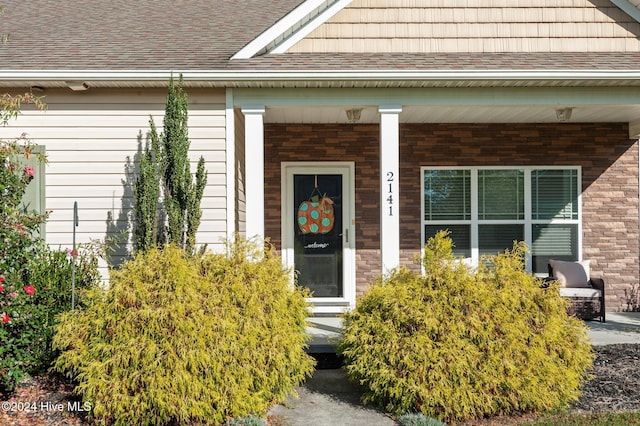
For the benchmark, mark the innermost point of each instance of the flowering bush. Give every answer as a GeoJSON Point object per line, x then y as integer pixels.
{"type": "Point", "coordinates": [35, 280]}
{"type": "Point", "coordinates": [20, 319]}
{"type": "Point", "coordinates": [30, 300]}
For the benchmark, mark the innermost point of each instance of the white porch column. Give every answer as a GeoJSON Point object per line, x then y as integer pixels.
{"type": "Point", "coordinates": [254, 170]}
{"type": "Point", "coordinates": [389, 186]}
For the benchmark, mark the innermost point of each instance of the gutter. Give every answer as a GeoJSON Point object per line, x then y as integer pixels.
{"type": "Point", "coordinates": [329, 75]}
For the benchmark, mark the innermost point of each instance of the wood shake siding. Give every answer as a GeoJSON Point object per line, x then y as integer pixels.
{"type": "Point", "coordinates": [93, 140]}
{"type": "Point", "coordinates": [609, 161]}
{"type": "Point", "coordinates": [464, 26]}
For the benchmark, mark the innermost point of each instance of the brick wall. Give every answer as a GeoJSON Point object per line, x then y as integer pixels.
{"type": "Point", "coordinates": [609, 163]}
{"type": "Point", "coordinates": [357, 143]}
{"type": "Point", "coordinates": [608, 158]}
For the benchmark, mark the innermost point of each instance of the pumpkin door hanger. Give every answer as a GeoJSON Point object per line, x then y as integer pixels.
{"type": "Point", "coordinates": [316, 216]}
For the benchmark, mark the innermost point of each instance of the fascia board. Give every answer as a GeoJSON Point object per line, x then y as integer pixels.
{"type": "Point", "coordinates": [279, 28]}
{"type": "Point", "coordinates": [311, 26]}
{"type": "Point", "coordinates": [628, 8]}
{"type": "Point", "coordinates": [290, 75]}
{"type": "Point", "coordinates": [505, 96]}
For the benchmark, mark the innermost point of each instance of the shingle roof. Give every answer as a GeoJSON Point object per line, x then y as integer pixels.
{"type": "Point", "coordinates": [131, 34]}
{"type": "Point", "coordinates": [442, 61]}
{"type": "Point", "coordinates": [201, 35]}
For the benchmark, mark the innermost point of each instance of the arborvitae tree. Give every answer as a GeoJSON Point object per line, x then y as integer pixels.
{"type": "Point", "coordinates": [167, 169]}
{"type": "Point", "coordinates": [146, 192]}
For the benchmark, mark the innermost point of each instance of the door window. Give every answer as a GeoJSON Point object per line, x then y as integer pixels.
{"type": "Point", "coordinates": [318, 249]}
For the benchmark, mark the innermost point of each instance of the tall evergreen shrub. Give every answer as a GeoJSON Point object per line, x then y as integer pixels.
{"type": "Point", "coordinates": [165, 169]}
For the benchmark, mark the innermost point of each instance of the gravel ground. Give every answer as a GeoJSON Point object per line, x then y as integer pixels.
{"type": "Point", "coordinates": [614, 387]}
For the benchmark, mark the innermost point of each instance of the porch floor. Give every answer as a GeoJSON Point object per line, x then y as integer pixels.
{"type": "Point", "coordinates": [621, 327]}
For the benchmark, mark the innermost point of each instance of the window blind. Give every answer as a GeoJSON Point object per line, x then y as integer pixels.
{"type": "Point", "coordinates": [447, 195]}
{"type": "Point", "coordinates": [554, 194]}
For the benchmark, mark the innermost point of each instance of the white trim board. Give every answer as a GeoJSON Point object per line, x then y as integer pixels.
{"type": "Point", "coordinates": [551, 96]}
{"type": "Point", "coordinates": [230, 158]}
{"type": "Point", "coordinates": [312, 25]}
{"type": "Point", "coordinates": [243, 75]}
{"type": "Point", "coordinates": [628, 8]}
{"type": "Point", "coordinates": [292, 28]}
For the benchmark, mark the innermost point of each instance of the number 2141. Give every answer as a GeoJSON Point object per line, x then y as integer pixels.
{"type": "Point", "coordinates": [390, 197]}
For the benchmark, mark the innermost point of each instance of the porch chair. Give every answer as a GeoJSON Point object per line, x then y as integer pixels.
{"type": "Point", "coordinates": [577, 284]}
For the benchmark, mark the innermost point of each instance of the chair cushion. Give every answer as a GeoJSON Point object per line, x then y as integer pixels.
{"type": "Point", "coordinates": [580, 292]}
{"type": "Point", "coordinates": [571, 274]}
{"type": "Point", "coordinates": [467, 262]}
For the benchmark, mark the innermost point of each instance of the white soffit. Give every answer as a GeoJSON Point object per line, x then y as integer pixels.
{"type": "Point", "coordinates": [294, 26]}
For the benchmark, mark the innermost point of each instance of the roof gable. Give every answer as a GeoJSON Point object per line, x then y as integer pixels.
{"type": "Point", "coordinates": [466, 26]}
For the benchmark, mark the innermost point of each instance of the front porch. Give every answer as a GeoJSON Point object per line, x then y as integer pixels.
{"type": "Point", "coordinates": [620, 328]}
{"type": "Point", "coordinates": [396, 140]}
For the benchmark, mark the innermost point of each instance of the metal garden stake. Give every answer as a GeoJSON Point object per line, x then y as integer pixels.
{"type": "Point", "coordinates": [73, 256]}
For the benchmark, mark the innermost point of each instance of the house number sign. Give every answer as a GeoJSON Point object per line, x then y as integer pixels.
{"type": "Point", "coordinates": [389, 199]}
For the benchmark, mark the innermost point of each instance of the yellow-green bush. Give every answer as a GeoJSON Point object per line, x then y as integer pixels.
{"type": "Point", "coordinates": [457, 344]}
{"type": "Point", "coordinates": [187, 339]}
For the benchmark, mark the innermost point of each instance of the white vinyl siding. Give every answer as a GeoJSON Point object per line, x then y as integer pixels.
{"type": "Point", "coordinates": [486, 208]}
{"type": "Point", "coordinates": [93, 140]}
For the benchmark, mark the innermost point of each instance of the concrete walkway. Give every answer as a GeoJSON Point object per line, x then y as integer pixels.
{"type": "Point", "coordinates": [621, 327]}
{"type": "Point", "coordinates": [329, 399]}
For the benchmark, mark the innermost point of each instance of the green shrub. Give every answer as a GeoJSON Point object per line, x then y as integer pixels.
{"type": "Point", "coordinates": [35, 280]}
{"type": "Point", "coordinates": [247, 421]}
{"type": "Point", "coordinates": [182, 339]}
{"type": "Point", "coordinates": [30, 300]}
{"type": "Point", "coordinates": [457, 344]}
{"type": "Point", "coordinates": [418, 419]}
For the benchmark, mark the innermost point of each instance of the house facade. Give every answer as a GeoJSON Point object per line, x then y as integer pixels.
{"type": "Point", "coordinates": [387, 119]}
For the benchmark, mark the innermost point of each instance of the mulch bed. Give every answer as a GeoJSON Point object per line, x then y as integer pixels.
{"type": "Point", "coordinates": [43, 401]}
{"type": "Point", "coordinates": [615, 386]}
{"type": "Point", "coordinates": [616, 382]}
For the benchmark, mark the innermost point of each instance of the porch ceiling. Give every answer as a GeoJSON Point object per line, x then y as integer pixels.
{"type": "Point", "coordinates": [456, 114]}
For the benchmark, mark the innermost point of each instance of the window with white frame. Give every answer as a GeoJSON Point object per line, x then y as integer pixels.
{"type": "Point", "coordinates": [486, 208]}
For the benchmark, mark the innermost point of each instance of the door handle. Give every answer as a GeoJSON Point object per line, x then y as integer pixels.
{"type": "Point", "coordinates": [345, 234]}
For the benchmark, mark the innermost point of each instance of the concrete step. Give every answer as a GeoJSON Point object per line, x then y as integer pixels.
{"type": "Point", "coordinates": [325, 334]}
{"type": "Point", "coordinates": [333, 324]}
